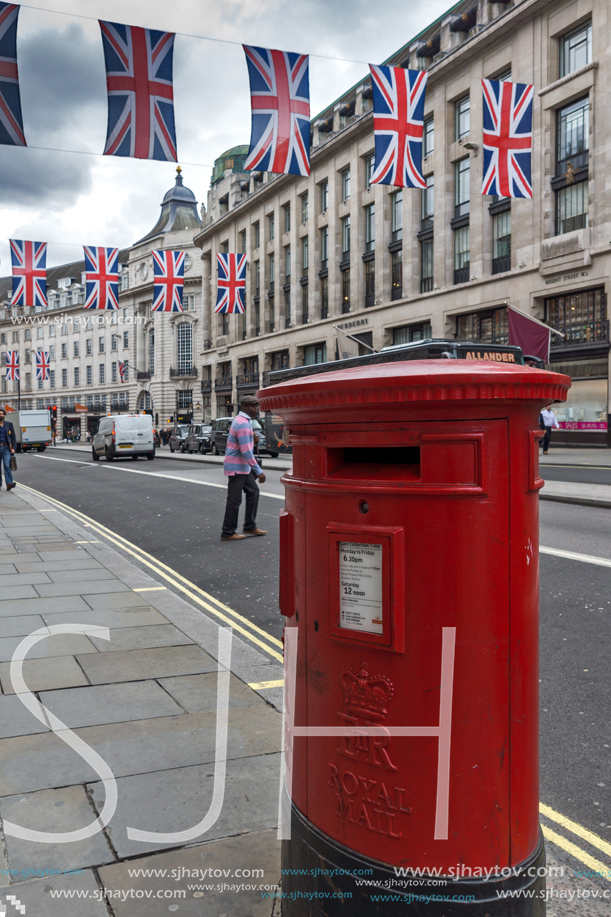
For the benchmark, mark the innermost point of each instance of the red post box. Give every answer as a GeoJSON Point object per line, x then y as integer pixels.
{"type": "Point", "coordinates": [409, 569]}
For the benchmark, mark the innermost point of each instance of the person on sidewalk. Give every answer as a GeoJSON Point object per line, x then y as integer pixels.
{"type": "Point", "coordinates": [547, 420]}
{"type": "Point", "coordinates": [243, 472]}
{"type": "Point", "coordinates": [8, 444]}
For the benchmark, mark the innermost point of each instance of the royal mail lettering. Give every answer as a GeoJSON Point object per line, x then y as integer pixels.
{"type": "Point", "coordinates": [367, 803]}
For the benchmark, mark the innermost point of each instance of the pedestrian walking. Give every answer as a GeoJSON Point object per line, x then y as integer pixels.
{"type": "Point", "coordinates": [8, 444]}
{"type": "Point", "coordinates": [547, 421]}
{"type": "Point", "coordinates": [243, 472]}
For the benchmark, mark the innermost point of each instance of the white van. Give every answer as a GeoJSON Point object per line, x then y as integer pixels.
{"type": "Point", "coordinates": [128, 435]}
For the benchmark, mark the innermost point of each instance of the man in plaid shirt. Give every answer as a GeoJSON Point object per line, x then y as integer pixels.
{"type": "Point", "coordinates": [243, 472]}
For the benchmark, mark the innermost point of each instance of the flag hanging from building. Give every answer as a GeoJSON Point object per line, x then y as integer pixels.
{"type": "Point", "coordinates": [169, 272]}
{"type": "Point", "coordinates": [29, 273]}
{"type": "Point", "coordinates": [398, 125]}
{"type": "Point", "coordinates": [101, 277]}
{"type": "Point", "coordinates": [231, 283]}
{"type": "Point", "coordinates": [508, 117]}
{"type": "Point", "coordinates": [139, 65]}
{"type": "Point", "coordinates": [11, 121]}
{"type": "Point", "coordinates": [123, 370]}
{"type": "Point", "coordinates": [529, 334]}
{"type": "Point", "coordinates": [42, 365]}
{"type": "Point", "coordinates": [280, 103]}
{"type": "Point", "coordinates": [12, 366]}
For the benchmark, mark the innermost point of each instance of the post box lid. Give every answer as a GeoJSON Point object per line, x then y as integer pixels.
{"type": "Point", "coordinates": [414, 382]}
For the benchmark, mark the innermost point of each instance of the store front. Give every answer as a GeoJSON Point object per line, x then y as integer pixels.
{"type": "Point", "coordinates": [71, 427]}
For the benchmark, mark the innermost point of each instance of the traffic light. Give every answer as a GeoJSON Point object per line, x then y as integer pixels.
{"type": "Point", "coordinates": [54, 412]}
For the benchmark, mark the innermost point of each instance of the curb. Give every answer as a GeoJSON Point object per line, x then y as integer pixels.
{"type": "Point", "coordinates": [578, 501]}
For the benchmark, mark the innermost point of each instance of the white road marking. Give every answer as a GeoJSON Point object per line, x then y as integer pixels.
{"type": "Point", "coordinates": [153, 474]}
{"type": "Point", "coordinates": [571, 555]}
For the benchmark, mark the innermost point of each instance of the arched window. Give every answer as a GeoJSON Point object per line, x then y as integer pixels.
{"type": "Point", "coordinates": [144, 401]}
{"type": "Point", "coordinates": [184, 347]}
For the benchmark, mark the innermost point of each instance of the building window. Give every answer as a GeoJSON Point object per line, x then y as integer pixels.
{"type": "Point", "coordinates": [126, 333]}
{"type": "Point", "coordinates": [576, 49]}
{"type": "Point", "coordinates": [287, 308]}
{"type": "Point", "coordinates": [113, 341]}
{"type": "Point", "coordinates": [489, 327]}
{"type": "Point", "coordinates": [324, 297]}
{"type": "Point", "coordinates": [582, 317]}
{"type": "Point", "coordinates": [77, 375]}
{"type": "Point", "coordinates": [256, 232]}
{"type": "Point", "coordinates": [462, 187]}
{"type": "Point", "coordinates": [272, 314]}
{"type": "Point", "coordinates": [345, 236]}
{"type": "Point", "coordinates": [407, 334]}
{"type": "Point", "coordinates": [462, 117]}
{"type": "Point", "coordinates": [370, 228]}
{"type": "Point", "coordinates": [184, 347]}
{"type": "Point", "coordinates": [89, 375]}
{"type": "Point", "coordinates": [426, 265]}
{"type": "Point", "coordinates": [272, 270]}
{"type": "Point", "coordinates": [242, 242]}
{"type": "Point", "coordinates": [346, 290]}
{"type": "Point", "coordinates": [102, 373]}
{"type": "Point", "coordinates": [324, 246]}
{"type": "Point", "coordinates": [64, 378]}
{"type": "Point", "coordinates": [572, 208]}
{"type": "Point", "coordinates": [52, 351]}
{"type": "Point", "coordinates": [428, 138]}
{"type": "Point", "coordinates": [370, 163]}
{"type": "Point", "coordinates": [345, 185]}
{"type": "Point", "coordinates": [287, 217]}
{"type": "Point", "coordinates": [272, 226]}
{"type": "Point", "coordinates": [77, 348]}
{"type": "Point", "coordinates": [257, 319]}
{"type": "Point", "coordinates": [396, 274]}
{"type": "Point", "coordinates": [572, 134]}
{"type": "Point", "coordinates": [280, 360]}
{"type": "Point", "coordinates": [304, 255]}
{"type": "Point", "coordinates": [257, 277]}
{"type": "Point", "coordinates": [28, 334]}
{"type": "Point", "coordinates": [428, 203]}
{"type": "Point", "coordinates": [113, 372]}
{"type": "Point", "coordinates": [305, 309]}
{"type": "Point", "coordinates": [462, 255]}
{"type": "Point", "coordinates": [287, 261]}
{"type": "Point", "coordinates": [324, 196]}
{"type": "Point", "coordinates": [224, 323]}
{"type": "Point", "coordinates": [304, 208]}
{"type": "Point", "coordinates": [370, 283]}
{"type": "Point", "coordinates": [89, 346]}
{"type": "Point", "coordinates": [52, 378]}
{"type": "Point", "coordinates": [396, 205]}
{"type": "Point", "coordinates": [100, 345]}
{"type": "Point", "coordinates": [501, 242]}
{"type": "Point", "coordinates": [314, 353]}
{"type": "Point", "coordinates": [40, 332]}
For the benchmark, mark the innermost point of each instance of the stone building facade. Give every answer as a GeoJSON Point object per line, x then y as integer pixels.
{"type": "Point", "coordinates": [388, 265]}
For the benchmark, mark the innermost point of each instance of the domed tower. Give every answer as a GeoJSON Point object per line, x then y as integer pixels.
{"type": "Point", "coordinates": [178, 211]}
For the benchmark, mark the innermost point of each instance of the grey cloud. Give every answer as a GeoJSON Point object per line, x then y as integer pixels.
{"type": "Point", "coordinates": [37, 179]}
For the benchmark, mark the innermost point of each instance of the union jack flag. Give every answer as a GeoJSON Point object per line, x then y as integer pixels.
{"type": "Point", "coordinates": [12, 366]}
{"type": "Point", "coordinates": [29, 273]}
{"type": "Point", "coordinates": [280, 103]}
{"type": "Point", "coordinates": [231, 283]}
{"type": "Point", "coordinates": [168, 272]}
{"type": "Point", "coordinates": [140, 92]}
{"type": "Point", "coordinates": [11, 122]}
{"type": "Point", "coordinates": [42, 364]}
{"type": "Point", "coordinates": [508, 117]}
{"type": "Point", "coordinates": [123, 370]}
{"type": "Point", "coordinates": [398, 125]}
{"type": "Point", "coordinates": [101, 277]}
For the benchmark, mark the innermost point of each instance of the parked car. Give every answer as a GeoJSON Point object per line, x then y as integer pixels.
{"type": "Point", "coordinates": [123, 435]}
{"type": "Point", "coordinates": [178, 437]}
{"type": "Point", "coordinates": [199, 438]}
{"type": "Point", "coordinates": [220, 432]}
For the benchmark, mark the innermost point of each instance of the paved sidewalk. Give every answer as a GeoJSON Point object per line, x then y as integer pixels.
{"type": "Point", "coordinates": [145, 701]}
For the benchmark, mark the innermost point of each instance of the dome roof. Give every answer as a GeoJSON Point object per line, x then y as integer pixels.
{"type": "Point", "coordinates": [178, 211]}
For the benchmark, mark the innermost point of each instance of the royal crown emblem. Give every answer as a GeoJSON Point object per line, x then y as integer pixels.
{"type": "Point", "coordinates": [366, 696]}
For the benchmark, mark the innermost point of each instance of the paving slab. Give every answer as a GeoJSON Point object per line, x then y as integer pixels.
{"type": "Point", "coordinates": [38, 605]}
{"type": "Point", "coordinates": [88, 588]}
{"type": "Point", "coordinates": [8, 551]}
{"type": "Point", "coordinates": [16, 720]}
{"type": "Point", "coordinates": [29, 531]}
{"type": "Point", "coordinates": [160, 744]}
{"type": "Point", "coordinates": [52, 566]}
{"type": "Point", "coordinates": [44, 674]}
{"type": "Point", "coordinates": [118, 600]}
{"type": "Point", "coordinates": [137, 665]}
{"type": "Point", "coordinates": [35, 896]}
{"type": "Point", "coordinates": [77, 576]}
{"type": "Point", "coordinates": [138, 700]}
{"type": "Point", "coordinates": [55, 645]}
{"type": "Point", "coordinates": [66, 552]}
{"type": "Point", "coordinates": [20, 626]}
{"type": "Point", "coordinates": [22, 579]}
{"type": "Point", "coordinates": [197, 693]}
{"type": "Point", "coordinates": [9, 593]}
{"type": "Point", "coordinates": [170, 801]}
{"type": "Point", "coordinates": [134, 617]}
{"type": "Point", "coordinates": [7, 568]}
{"type": "Point", "coordinates": [259, 850]}
{"type": "Point", "coordinates": [65, 809]}
{"type": "Point", "coordinates": [135, 638]}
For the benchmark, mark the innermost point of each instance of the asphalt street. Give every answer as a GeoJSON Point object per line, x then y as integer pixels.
{"type": "Point", "coordinates": [173, 510]}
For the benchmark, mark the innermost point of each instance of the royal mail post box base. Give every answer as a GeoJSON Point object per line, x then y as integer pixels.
{"type": "Point", "coordinates": [320, 878]}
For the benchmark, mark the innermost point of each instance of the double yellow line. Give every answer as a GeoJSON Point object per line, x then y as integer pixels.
{"type": "Point", "coordinates": [264, 641]}
{"type": "Point", "coordinates": [600, 869]}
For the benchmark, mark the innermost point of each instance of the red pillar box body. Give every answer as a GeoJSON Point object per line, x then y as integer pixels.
{"type": "Point", "coordinates": [409, 572]}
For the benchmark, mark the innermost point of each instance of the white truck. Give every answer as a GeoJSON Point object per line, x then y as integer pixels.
{"type": "Point", "coordinates": [32, 429]}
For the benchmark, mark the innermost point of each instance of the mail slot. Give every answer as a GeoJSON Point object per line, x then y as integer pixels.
{"type": "Point", "coordinates": [409, 582]}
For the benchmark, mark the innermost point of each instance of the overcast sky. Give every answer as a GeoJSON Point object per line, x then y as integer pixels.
{"type": "Point", "coordinates": [70, 199]}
